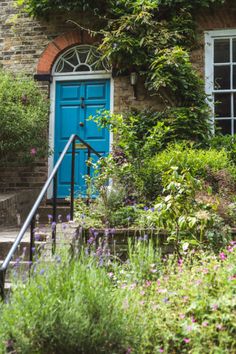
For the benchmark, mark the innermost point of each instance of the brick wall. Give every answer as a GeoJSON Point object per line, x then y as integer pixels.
{"type": "Point", "coordinates": [23, 40]}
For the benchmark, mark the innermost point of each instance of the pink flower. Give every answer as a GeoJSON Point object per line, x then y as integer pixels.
{"type": "Point", "coordinates": [186, 340]}
{"type": "Point", "coordinates": [148, 283]}
{"type": "Point", "coordinates": [180, 262]}
{"type": "Point", "coordinates": [182, 316]}
{"type": "Point", "coordinates": [162, 291]}
{"type": "Point", "coordinates": [132, 286]}
{"type": "Point", "coordinates": [33, 151]}
{"type": "Point", "coordinates": [214, 307]}
{"type": "Point", "coordinates": [193, 319]}
{"type": "Point", "coordinates": [233, 277]}
{"type": "Point", "coordinates": [219, 327]}
{"type": "Point", "coordinates": [161, 350]}
{"type": "Point", "coordinates": [204, 324]}
{"type": "Point", "coordinates": [129, 350]}
{"type": "Point", "coordinates": [205, 271]}
{"type": "Point", "coordinates": [189, 328]}
{"type": "Point", "coordinates": [222, 256]}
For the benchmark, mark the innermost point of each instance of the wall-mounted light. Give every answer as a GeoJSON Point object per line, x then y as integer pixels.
{"type": "Point", "coordinates": [133, 82]}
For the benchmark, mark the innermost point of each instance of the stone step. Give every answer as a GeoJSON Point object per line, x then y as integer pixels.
{"type": "Point", "coordinates": [45, 212]}
{"type": "Point", "coordinates": [15, 206]}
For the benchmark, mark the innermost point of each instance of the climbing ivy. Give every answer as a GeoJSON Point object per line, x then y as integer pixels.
{"type": "Point", "coordinates": [152, 37]}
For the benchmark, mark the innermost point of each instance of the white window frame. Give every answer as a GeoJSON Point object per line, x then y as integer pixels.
{"type": "Point", "coordinates": [209, 69]}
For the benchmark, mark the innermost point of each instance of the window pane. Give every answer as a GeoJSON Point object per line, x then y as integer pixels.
{"type": "Point", "coordinates": [222, 77]}
{"type": "Point", "coordinates": [234, 76]}
{"type": "Point", "coordinates": [234, 49]}
{"type": "Point", "coordinates": [222, 105]}
{"type": "Point", "coordinates": [234, 112]}
{"type": "Point", "coordinates": [223, 126]}
{"type": "Point", "coordinates": [221, 51]}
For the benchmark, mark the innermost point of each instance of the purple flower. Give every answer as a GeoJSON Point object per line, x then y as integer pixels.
{"type": "Point", "coordinates": [49, 217]}
{"type": "Point", "coordinates": [33, 249]}
{"type": "Point", "coordinates": [145, 237]}
{"type": "Point", "coordinates": [58, 259]}
{"type": "Point", "coordinates": [68, 217]}
{"type": "Point", "coordinates": [129, 350]}
{"type": "Point", "coordinates": [37, 237]}
{"type": "Point", "coordinates": [42, 271]}
{"type": "Point", "coordinates": [54, 224]}
{"type": "Point", "coordinates": [64, 226]}
{"type": "Point", "coordinates": [145, 208]}
{"type": "Point", "coordinates": [90, 240]}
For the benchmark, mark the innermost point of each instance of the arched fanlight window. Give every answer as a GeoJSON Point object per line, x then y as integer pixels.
{"type": "Point", "coordinates": [81, 58]}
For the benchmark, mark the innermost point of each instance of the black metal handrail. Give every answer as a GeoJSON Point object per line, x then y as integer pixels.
{"type": "Point", "coordinates": [30, 220]}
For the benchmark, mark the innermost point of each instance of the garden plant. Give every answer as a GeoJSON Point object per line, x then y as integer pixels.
{"type": "Point", "coordinates": [96, 303]}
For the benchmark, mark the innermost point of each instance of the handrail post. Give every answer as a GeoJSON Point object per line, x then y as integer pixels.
{"type": "Point", "coordinates": [32, 240]}
{"type": "Point", "coordinates": [88, 173]}
{"type": "Point", "coordinates": [54, 213]}
{"type": "Point", "coordinates": [2, 283]}
{"type": "Point", "coordinates": [72, 184]}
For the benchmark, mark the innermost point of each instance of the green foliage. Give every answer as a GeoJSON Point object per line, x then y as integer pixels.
{"type": "Point", "coordinates": [144, 305]}
{"type": "Point", "coordinates": [23, 119]}
{"type": "Point", "coordinates": [153, 38]}
{"type": "Point", "coordinates": [43, 7]}
{"type": "Point", "coordinates": [184, 218]}
{"type": "Point", "coordinates": [203, 164]}
{"type": "Point", "coordinates": [109, 209]}
{"type": "Point", "coordinates": [68, 308]}
{"type": "Point", "coordinates": [198, 161]}
{"type": "Point", "coordinates": [226, 142]}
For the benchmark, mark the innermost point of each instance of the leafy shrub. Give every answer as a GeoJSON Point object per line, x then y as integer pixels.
{"type": "Point", "coordinates": [144, 305]}
{"type": "Point", "coordinates": [226, 142]}
{"type": "Point", "coordinates": [109, 209]}
{"type": "Point", "coordinates": [184, 218]}
{"type": "Point", "coordinates": [23, 119]}
{"type": "Point", "coordinates": [68, 308]}
{"type": "Point", "coordinates": [205, 164]}
{"type": "Point", "coordinates": [191, 308]}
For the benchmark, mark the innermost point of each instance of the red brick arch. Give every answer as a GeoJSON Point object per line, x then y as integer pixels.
{"type": "Point", "coordinates": [58, 46]}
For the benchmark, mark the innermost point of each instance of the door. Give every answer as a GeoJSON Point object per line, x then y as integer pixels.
{"type": "Point", "coordinates": [75, 102]}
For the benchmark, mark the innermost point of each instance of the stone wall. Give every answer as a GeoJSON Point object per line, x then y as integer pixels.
{"type": "Point", "coordinates": [23, 40]}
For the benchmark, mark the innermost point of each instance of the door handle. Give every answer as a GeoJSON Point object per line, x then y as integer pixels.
{"type": "Point", "coordinates": [81, 124]}
{"type": "Point", "coordinates": [82, 104]}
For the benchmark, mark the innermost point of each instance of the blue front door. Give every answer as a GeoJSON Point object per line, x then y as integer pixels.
{"type": "Point", "coordinates": [75, 102]}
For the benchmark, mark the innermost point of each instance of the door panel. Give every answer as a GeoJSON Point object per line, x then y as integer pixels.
{"type": "Point", "coordinates": [72, 118]}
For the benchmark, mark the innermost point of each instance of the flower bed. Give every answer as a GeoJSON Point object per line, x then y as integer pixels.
{"type": "Point", "coordinates": [147, 304]}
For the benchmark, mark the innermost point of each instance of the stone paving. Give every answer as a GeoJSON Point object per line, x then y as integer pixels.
{"type": "Point", "coordinates": [8, 234]}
